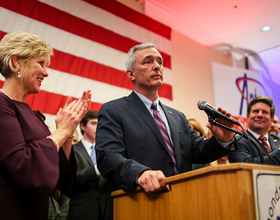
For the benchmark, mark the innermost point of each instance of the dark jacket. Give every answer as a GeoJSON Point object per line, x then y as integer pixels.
{"type": "Point", "coordinates": [243, 153]}
{"type": "Point", "coordinates": [128, 141]}
{"type": "Point", "coordinates": [93, 191]}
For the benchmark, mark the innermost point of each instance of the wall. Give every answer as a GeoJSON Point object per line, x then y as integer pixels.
{"type": "Point", "coordinates": [192, 75]}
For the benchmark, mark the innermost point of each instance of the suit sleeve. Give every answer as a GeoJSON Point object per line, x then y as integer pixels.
{"type": "Point", "coordinates": [243, 154]}
{"type": "Point", "coordinates": [27, 157]}
{"type": "Point", "coordinates": [192, 147]}
{"type": "Point", "coordinates": [86, 173]}
{"type": "Point", "coordinates": [111, 150]}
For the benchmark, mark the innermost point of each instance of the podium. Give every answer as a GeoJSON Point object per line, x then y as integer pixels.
{"type": "Point", "coordinates": [216, 192]}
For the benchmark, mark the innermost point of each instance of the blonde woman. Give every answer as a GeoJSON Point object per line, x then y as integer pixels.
{"type": "Point", "coordinates": [33, 162]}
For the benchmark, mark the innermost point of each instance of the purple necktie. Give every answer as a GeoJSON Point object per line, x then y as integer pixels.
{"type": "Point", "coordinates": [162, 128]}
{"type": "Point", "coordinates": [264, 143]}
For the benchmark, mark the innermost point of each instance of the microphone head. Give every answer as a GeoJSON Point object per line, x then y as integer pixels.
{"type": "Point", "coordinates": [201, 104]}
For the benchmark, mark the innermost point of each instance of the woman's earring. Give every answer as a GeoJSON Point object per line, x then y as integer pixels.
{"type": "Point", "coordinates": [18, 74]}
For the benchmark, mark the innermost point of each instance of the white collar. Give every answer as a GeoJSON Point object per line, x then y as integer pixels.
{"type": "Point", "coordinates": [148, 102]}
{"type": "Point", "coordinates": [257, 135]}
{"type": "Point", "coordinates": [87, 144]}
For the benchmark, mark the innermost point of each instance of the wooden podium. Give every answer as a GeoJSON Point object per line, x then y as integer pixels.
{"type": "Point", "coordinates": [215, 192]}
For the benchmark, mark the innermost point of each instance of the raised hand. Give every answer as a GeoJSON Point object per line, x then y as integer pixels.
{"type": "Point", "coordinates": [67, 120]}
{"type": "Point", "coordinates": [71, 114]}
{"type": "Point", "coordinates": [220, 133]}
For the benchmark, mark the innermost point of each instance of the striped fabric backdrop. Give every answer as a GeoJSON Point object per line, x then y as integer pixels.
{"type": "Point", "coordinates": [90, 40]}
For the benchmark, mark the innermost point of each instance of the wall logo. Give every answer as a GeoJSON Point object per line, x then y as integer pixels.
{"type": "Point", "coordinates": [250, 89]}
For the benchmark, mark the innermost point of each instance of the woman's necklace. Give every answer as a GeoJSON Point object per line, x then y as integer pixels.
{"type": "Point", "coordinates": [5, 93]}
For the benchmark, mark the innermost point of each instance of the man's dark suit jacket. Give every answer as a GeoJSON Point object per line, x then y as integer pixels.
{"type": "Point", "coordinates": [243, 153]}
{"type": "Point", "coordinates": [93, 191]}
{"type": "Point", "coordinates": [128, 141]}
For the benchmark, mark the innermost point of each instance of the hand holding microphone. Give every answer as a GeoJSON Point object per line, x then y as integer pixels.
{"type": "Point", "coordinates": [213, 113]}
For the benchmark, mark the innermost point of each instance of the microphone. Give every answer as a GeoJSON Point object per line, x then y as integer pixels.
{"type": "Point", "coordinates": [212, 112]}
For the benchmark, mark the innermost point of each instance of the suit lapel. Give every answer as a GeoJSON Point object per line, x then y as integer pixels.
{"type": "Point", "coordinates": [136, 105]}
{"type": "Point", "coordinates": [274, 142]}
{"type": "Point", "coordinates": [80, 147]}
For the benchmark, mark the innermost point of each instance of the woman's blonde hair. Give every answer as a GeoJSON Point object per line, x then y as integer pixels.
{"type": "Point", "coordinates": [25, 46]}
{"type": "Point", "coordinates": [196, 126]}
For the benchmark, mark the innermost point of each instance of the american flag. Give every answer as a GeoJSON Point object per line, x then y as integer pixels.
{"type": "Point", "coordinates": [90, 40]}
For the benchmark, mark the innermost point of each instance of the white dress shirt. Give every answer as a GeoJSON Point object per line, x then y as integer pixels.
{"type": "Point", "coordinates": [88, 147]}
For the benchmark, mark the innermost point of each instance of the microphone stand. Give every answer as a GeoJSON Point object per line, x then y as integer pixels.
{"type": "Point", "coordinates": [214, 122]}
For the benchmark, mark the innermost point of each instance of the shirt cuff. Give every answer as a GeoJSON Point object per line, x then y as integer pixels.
{"type": "Point", "coordinates": [226, 144]}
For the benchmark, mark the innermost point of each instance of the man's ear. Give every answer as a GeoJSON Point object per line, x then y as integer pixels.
{"type": "Point", "coordinates": [130, 74]}
{"type": "Point", "coordinates": [16, 61]}
{"type": "Point", "coordinates": [272, 120]}
{"type": "Point", "coordinates": [82, 126]}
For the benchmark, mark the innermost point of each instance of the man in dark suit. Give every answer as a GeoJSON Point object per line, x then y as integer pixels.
{"type": "Point", "coordinates": [91, 200]}
{"type": "Point", "coordinates": [260, 115]}
{"type": "Point", "coordinates": [132, 149]}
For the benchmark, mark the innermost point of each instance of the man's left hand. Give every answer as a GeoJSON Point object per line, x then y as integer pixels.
{"type": "Point", "coordinates": [220, 133]}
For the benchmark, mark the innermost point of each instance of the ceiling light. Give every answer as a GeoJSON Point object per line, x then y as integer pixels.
{"type": "Point", "coordinates": [266, 29]}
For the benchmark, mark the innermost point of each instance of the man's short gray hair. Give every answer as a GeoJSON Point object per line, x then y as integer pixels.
{"type": "Point", "coordinates": [130, 59]}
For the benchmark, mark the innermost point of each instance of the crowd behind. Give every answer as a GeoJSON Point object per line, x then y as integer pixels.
{"type": "Point", "coordinates": [132, 141]}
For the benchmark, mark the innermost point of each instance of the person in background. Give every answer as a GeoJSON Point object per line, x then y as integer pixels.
{"type": "Point", "coordinates": [75, 138]}
{"type": "Point", "coordinates": [275, 126]}
{"type": "Point", "coordinates": [140, 141]}
{"type": "Point", "coordinates": [260, 115]}
{"type": "Point", "coordinates": [33, 160]}
{"type": "Point", "coordinates": [91, 199]}
{"type": "Point", "coordinates": [196, 127]}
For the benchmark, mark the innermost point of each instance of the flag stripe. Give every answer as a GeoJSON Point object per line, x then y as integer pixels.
{"type": "Point", "coordinates": [133, 16]}
{"type": "Point", "coordinates": [104, 57]}
{"type": "Point", "coordinates": [96, 71]}
{"type": "Point", "coordinates": [124, 27]}
{"type": "Point", "coordinates": [74, 25]}
{"type": "Point", "coordinates": [35, 101]}
{"type": "Point", "coordinates": [90, 40]}
{"type": "Point", "coordinates": [59, 78]}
